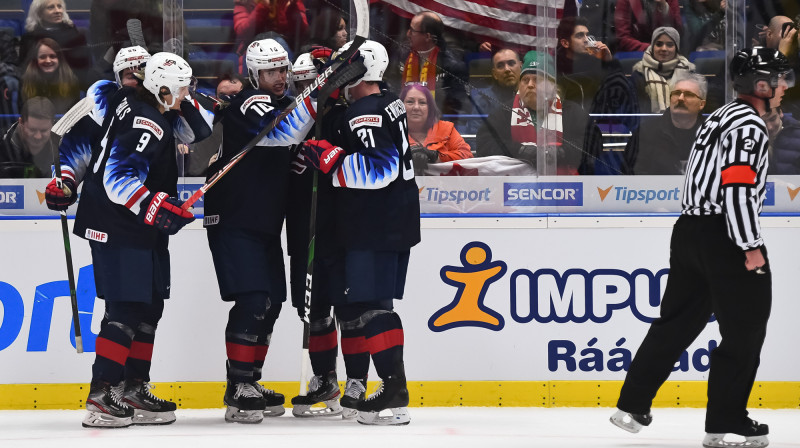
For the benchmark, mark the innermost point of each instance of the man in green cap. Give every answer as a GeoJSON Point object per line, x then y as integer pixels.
{"type": "Point", "coordinates": [513, 130]}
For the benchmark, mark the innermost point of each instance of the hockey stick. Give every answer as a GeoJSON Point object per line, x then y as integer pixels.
{"type": "Point", "coordinates": [78, 111]}
{"type": "Point", "coordinates": [362, 29]}
{"type": "Point", "coordinates": [329, 80]}
{"type": "Point", "coordinates": [135, 33]}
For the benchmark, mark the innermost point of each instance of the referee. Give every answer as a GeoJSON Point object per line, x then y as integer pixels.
{"type": "Point", "coordinates": [718, 262]}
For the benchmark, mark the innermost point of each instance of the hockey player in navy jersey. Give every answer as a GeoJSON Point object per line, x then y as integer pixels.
{"type": "Point", "coordinates": [376, 209]}
{"type": "Point", "coordinates": [75, 152]}
{"type": "Point", "coordinates": [244, 215]}
{"type": "Point", "coordinates": [323, 342]}
{"type": "Point", "coordinates": [127, 210]}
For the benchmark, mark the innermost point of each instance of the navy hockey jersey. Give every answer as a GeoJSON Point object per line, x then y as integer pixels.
{"type": "Point", "coordinates": [377, 202]}
{"type": "Point", "coordinates": [135, 156]}
{"type": "Point", "coordinates": [194, 123]}
{"type": "Point", "coordinates": [252, 195]}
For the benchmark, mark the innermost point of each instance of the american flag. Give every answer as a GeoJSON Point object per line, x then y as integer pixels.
{"type": "Point", "coordinates": [526, 23]}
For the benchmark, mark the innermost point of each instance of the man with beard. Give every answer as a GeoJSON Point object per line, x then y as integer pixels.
{"type": "Point", "coordinates": [506, 67]}
{"type": "Point", "coordinates": [664, 142]}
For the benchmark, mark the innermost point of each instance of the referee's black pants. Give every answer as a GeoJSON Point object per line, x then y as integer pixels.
{"type": "Point", "coordinates": [707, 275]}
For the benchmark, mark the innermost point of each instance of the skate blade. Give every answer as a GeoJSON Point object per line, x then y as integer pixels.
{"type": "Point", "coordinates": [236, 415]}
{"type": "Point", "coordinates": [144, 418]}
{"type": "Point", "coordinates": [332, 409]}
{"type": "Point", "coordinates": [624, 420]}
{"type": "Point", "coordinates": [274, 411]}
{"type": "Point", "coordinates": [349, 413]}
{"type": "Point", "coordinates": [718, 441]}
{"type": "Point", "coordinates": [400, 416]}
{"type": "Point", "coordinates": [102, 420]}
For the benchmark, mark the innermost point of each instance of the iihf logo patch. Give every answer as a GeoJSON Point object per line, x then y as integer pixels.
{"type": "Point", "coordinates": [211, 220]}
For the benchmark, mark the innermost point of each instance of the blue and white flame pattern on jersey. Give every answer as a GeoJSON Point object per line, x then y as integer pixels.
{"type": "Point", "coordinates": [75, 150]}
{"type": "Point", "coordinates": [372, 170]}
{"type": "Point", "coordinates": [293, 129]}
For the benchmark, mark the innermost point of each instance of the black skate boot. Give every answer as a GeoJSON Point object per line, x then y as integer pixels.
{"type": "Point", "coordinates": [354, 391]}
{"type": "Point", "coordinates": [754, 435]}
{"type": "Point", "coordinates": [147, 408]}
{"type": "Point", "coordinates": [274, 401]}
{"type": "Point", "coordinates": [106, 408]}
{"type": "Point", "coordinates": [245, 403]}
{"type": "Point", "coordinates": [630, 422]}
{"type": "Point", "coordinates": [392, 394]}
{"type": "Point", "coordinates": [321, 389]}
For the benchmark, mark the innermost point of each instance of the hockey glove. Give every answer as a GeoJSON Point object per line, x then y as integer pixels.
{"type": "Point", "coordinates": [164, 213]}
{"type": "Point", "coordinates": [322, 155]}
{"type": "Point", "coordinates": [298, 165]}
{"type": "Point", "coordinates": [60, 199]}
{"type": "Point", "coordinates": [320, 52]}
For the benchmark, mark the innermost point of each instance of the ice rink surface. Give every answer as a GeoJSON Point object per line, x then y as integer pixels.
{"type": "Point", "coordinates": [430, 427]}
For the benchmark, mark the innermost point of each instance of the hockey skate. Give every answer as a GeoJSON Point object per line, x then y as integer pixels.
{"type": "Point", "coordinates": [245, 403]}
{"type": "Point", "coordinates": [630, 422]}
{"type": "Point", "coordinates": [274, 401]}
{"type": "Point", "coordinates": [321, 389]}
{"type": "Point", "coordinates": [752, 435]}
{"type": "Point", "coordinates": [147, 408]}
{"type": "Point", "coordinates": [392, 394]}
{"type": "Point", "coordinates": [354, 391]}
{"type": "Point", "coordinates": [106, 408]}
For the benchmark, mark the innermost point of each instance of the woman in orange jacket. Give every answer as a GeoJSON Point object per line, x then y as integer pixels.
{"type": "Point", "coordinates": [431, 139]}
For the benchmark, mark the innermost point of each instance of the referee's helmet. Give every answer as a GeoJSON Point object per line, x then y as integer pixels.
{"type": "Point", "coordinates": [751, 65]}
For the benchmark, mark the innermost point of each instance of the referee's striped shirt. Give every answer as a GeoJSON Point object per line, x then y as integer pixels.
{"type": "Point", "coordinates": [727, 171]}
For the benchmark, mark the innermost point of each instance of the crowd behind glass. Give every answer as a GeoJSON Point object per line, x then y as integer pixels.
{"type": "Point", "coordinates": [622, 92]}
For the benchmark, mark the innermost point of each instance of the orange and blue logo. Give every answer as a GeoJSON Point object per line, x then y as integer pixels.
{"type": "Point", "coordinates": [472, 280]}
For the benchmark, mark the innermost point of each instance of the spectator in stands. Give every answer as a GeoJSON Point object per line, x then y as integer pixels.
{"type": "Point", "coordinates": [48, 75]}
{"type": "Point", "coordinates": [782, 35]}
{"type": "Point", "coordinates": [506, 65]}
{"type": "Point", "coordinates": [27, 148]}
{"type": "Point", "coordinates": [705, 28]}
{"type": "Point", "coordinates": [430, 63]}
{"type": "Point", "coordinates": [513, 130]}
{"type": "Point", "coordinates": [431, 140]}
{"type": "Point", "coordinates": [664, 142]}
{"type": "Point", "coordinates": [660, 63]}
{"type": "Point", "coordinates": [49, 19]}
{"type": "Point", "coordinates": [784, 132]}
{"type": "Point", "coordinates": [636, 20]}
{"type": "Point", "coordinates": [582, 64]}
{"type": "Point", "coordinates": [329, 29]}
{"type": "Point", "coordinates": [253, 17]}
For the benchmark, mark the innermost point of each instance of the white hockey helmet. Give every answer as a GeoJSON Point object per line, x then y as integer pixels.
{"type": "Point", "coordinates": [304, 68]}
{"type": "Point", "coordinates": [376, 60]}
{"type": "Point", "coordinates": [265, 54]}
{"type": "Point", "coordinates": [167, 70]}
{"type": "Point", "coordinates": [129, 57]}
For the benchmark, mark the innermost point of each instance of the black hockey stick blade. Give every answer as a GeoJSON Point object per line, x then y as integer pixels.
{"type": "Point", "coordinates": [135, 33]}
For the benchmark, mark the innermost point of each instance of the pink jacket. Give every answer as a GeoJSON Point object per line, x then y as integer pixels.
{"type": "Point", "coordinates": [634, 31]}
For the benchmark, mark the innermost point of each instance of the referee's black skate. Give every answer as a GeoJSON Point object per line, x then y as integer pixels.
{"type": "Point", "coordinates": [354, 391]}
{"type": "Point", "coordinates": [322, 389]}
{"type": "Point", "coordinates": [245, 403]}
{"type": "Point", "coordinates": [392, 394]}
{"type": "Point", "coordinates": [273, 401]}
{"type": "Point", "coordinates": [147, 408]}
{"type": "Point", "coordinates": [630, 422]}
{"type": "Point", "coordinates": [106, 408]}
{"type": "Point", "coordinates": [751, 435]}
